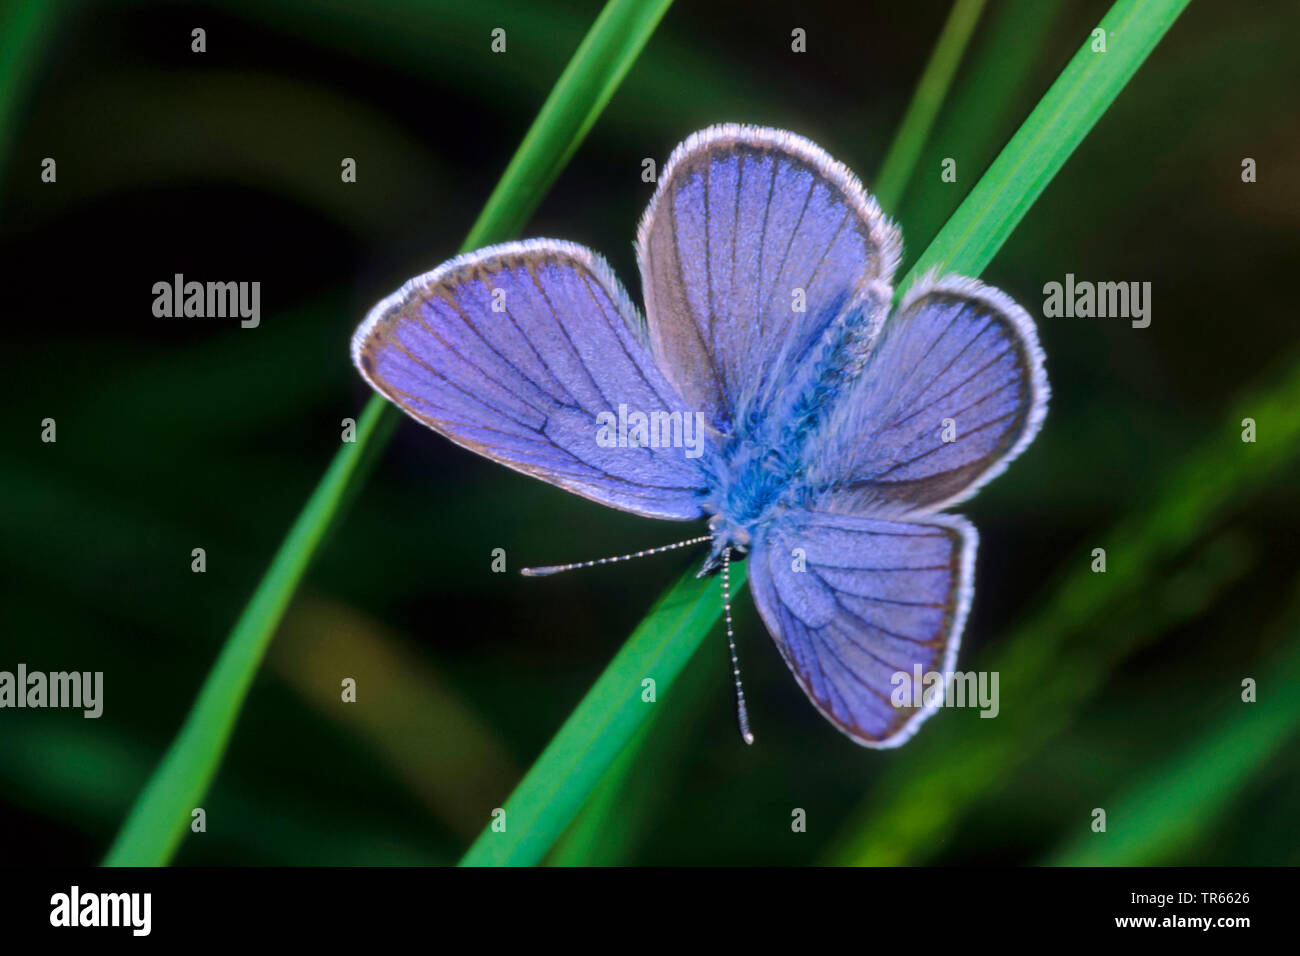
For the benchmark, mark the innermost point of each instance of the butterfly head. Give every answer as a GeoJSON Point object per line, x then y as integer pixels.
{"type": "Point", "coordinates": [726, 534]}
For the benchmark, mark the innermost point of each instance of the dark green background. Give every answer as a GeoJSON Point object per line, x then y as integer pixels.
{"type": "Point", "coordinates": [176, 434]}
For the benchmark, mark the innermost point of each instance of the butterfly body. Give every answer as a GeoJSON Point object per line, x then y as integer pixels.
{"type": "Point", "coordinates": [766, 459]}
{"type": "Point", "coordinates": [834, 429]}
{"type": "Point", "coordinates": [753, 484]}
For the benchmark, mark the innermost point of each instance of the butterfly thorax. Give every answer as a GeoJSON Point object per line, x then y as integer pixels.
{"type": "Point", "coordinates": [758, 483]}
{"type": "Point", "coordinates": [766, 455]}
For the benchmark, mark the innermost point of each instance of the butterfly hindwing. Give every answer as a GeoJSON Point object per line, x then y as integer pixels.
{"type": "Point", "coordinates": [952, 391]}
{"type": "Point", "coordinates": [854, 602]}
{"type": "Point", "coordinates": [514, 352]}
{"type": "Point", "coordinates": [755, 243]}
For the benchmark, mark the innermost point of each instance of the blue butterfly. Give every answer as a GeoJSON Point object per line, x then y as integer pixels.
{"type": "Point", "coordinates": [767, 387]}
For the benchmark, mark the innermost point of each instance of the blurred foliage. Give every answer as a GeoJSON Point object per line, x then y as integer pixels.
{"type": "Point", "coordinates": [181, 434]}
{"type": "Point", "coordinates": [1044, 671]}
{"type": "Point", "coordinates": [158, 819]}
{"type": "Point", "coordinates": [1177, 804]}
{"type": "Point", "coordinates": [899, 164]}
{"type": "Point", "coordinates": [603, 727]}
{"type": "Point", "coordinates": [604, 722]}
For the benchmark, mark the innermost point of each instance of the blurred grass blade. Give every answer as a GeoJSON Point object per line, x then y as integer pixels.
{"type": "Point", "coordinates": [603, 59]}
{"type": "Point", "coordinates": [620, 813]}
{"type": "Point", "coordinates": [925, 792]}
{"type": "Point", "coordinates": [984, 108]}
{"type": "Point", "coordinates": [1157, 821]}
{"type": "Point", "coordinates": [916, 803]}
{"type": "Point", "coordinates": [1071, 107]}
{"type": "Point", "coordinates": [24, 25]}
{"type": "Point", "coordinates": [157, 822]}
{"type": "Point", "coordinates": [901, 158]}
{"type": "Point", "coordinates": [586, 746]}
{"type": "Point", "coordinates": [608, 825]}
{"type": "Point", "coordinates": [428, 737]}
{"type": "Point", "coordinates": [573, 763]}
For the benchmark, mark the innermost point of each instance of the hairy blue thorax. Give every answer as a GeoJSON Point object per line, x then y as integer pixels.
{"type": "Point", "coordinates": [766, 450]}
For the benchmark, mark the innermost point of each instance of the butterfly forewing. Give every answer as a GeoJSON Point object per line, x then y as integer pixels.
{"type": "Point", "coordinates": [514, 352]}
{"type": "Point", "coordinates": [755, 243]}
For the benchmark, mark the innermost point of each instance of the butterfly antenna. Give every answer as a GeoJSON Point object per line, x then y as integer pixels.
{"type": "Point", "coordinates": [741, 712]}
{"type": "Point", "coordinates": [557, 568]}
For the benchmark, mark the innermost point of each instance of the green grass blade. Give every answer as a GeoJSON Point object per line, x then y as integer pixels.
{"type": "Point", "coordinates": [1071, 107]}
{"type": "Point", "coordinates": [156, 823]}
{"type": "Point", "coordinates": [605, 829]}
{"type": "Point", "coordinates": [588, 82]}
{"type": "Point", "coordinates": [1157, 821]}
{"type": "Point", "coordinates": [24, 25]}
{"type": "Point", "coordinates": [573, 763]}
{"type": "Point", "coordinates": [619, 816]}
{"type": "Point", "coordinates": [901, 158]}
{"type": "Point", "coordinates": [548, 797]}
{"type": "Point", "coordinates": [982, 112]}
